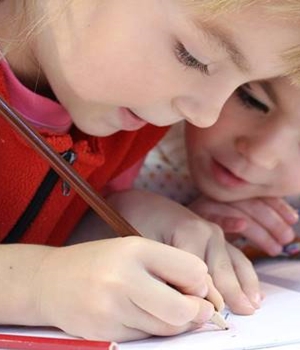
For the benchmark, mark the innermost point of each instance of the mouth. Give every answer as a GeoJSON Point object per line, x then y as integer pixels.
{"type": "Point", "coordinates": [130, 121]}
{"type": "Point", "coordinates": [225, 177]}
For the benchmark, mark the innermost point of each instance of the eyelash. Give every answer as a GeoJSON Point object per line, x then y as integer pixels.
{"type": "Point", "coordinates": [188, 60]}
{"type": "Point", "coordinates": [251, 102]}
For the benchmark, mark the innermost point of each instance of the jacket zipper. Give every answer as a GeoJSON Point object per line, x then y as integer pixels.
{"type": "Point", "coordinates": [36, 204]}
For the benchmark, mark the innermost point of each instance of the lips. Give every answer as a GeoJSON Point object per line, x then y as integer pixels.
{"type": "Point", "coordinates": [225, 177]}
{"type": "Point", "coordinates": [131, 121]}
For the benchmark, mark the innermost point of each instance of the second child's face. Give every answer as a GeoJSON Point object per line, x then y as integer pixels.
{"type": "Point", "coordinates": [254, 148]}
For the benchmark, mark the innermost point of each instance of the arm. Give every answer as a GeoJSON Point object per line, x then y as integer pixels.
{"type": "Point", "coordinates": [265, 222]}
{"type": "Point", "coordinates": [19, 293]}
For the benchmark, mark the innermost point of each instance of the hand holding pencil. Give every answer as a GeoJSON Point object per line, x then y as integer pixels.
{"type": "Point", "coordinates": [120, 289]}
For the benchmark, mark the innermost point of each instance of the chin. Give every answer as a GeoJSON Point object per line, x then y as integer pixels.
{"type": "Point", "coordinates": [96, 131]}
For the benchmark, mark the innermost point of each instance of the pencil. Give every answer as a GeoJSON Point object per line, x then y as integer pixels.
{"type": "Point", "coordinates": [219, 321]}
{"type": "Point", "coordinates": [80, 185]}
{"type": "Point", "coordinates": [20, 342]}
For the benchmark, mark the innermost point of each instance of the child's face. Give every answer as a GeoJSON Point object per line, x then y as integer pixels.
{"type": "Point", "coordinates": [105, 60]}
{"type": "Point", "coordinates": [254, 148]}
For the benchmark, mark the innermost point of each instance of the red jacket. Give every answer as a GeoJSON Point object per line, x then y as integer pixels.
{"type": "Point", "coordinates": [33, 208]}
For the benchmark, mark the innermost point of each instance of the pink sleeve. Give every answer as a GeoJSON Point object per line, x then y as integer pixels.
{"type": "Point", "coordinates": [124, 181]}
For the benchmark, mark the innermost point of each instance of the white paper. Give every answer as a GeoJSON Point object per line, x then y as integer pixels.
{"type": "Point", "coordinates": [276, 325]}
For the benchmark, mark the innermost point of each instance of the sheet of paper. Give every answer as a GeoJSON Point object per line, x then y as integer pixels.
{"type": "Point", "coordinates": [275, 325]}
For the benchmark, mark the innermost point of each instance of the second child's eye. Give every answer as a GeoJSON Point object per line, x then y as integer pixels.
{"type": "Point", "coordinates": [250, 101]}
{"type": "Point", "coordinates": [188, 60]}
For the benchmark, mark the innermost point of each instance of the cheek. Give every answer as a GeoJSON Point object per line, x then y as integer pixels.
{"type": "Point", "coordinates": [193, 144]}
{"type": "Point", "coordinates": [125, 82]}
{"type": "Point", "coordinates": [290, 184]}
{"type": "Point", "coordinates": [287, 182]}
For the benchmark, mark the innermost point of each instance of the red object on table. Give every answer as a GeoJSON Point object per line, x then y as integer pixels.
{"type": "Point", "coordinates": [22, 342]}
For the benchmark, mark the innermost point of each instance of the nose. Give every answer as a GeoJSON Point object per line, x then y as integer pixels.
{"type": "Point", "coordinates": [198, 112]}
{"type": "Point", "coordinates": [266, 149]}
{"type": "Point", "coordinates": [201, 103]}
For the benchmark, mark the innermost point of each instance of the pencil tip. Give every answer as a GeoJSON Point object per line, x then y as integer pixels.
{"type": "Point", "coordinates": [219, 321]}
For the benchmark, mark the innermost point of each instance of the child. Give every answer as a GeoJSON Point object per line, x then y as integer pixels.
{"type": "Point", "coordinates": [91, 75]}
{"type": "Point", "coordinates": [250, 154]}
{"type": "Point", "coordinates": [243, 165]}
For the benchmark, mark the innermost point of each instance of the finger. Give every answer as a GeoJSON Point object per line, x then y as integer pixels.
{"type": "Point", "coordinates": [229, 224]}
{"type": "Point", "coordinates": [225, 279]}
{"type": "Point", "coordinates": [269, 219]}
{"type": "Point", "coordinates": [133, 323]}
{"type": "Point", "coordinates": [206, 310]}
{"type": "Point", "coordinates": [179, 268]}
{"type": "Point", "coordinates": [257, 235]}
{"type": "Point", "coordinates": [246, 275]}
{"type": "Point", "coordinates": [224, 215]}
{"type": "Point", "coordinates": [163, 302]}
{"type": "Point", "coordinates": [214, 296]}
{"type": "Point", "coordinates": [218, 213]}
{"type": "Point", "coordinates": [284, 209]}
{"type": "Point", "coordinates": [194, 243]}
{"type": "Point", "coordinates": [154, 326]}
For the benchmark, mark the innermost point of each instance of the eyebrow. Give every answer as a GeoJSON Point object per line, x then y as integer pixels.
{"type": "Point", "coordinates": [226, 42]}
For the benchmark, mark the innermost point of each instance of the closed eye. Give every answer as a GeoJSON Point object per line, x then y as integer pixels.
{"type": "Point", "coordinates": [249, 101]}
{"type": "Point", "coordinates": [188, 60]}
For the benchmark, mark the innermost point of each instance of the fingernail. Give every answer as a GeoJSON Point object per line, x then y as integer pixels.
{"type": "Point", "coordinates": [292, 215]}
{"type": "Point", "coordinates": [256, 300]}
{"type": "Point", "coordinates": [248, 305]}
{"type": "Point", "coordinates": [287, 236]}
{"type": "Point", "coordinates": [276, 249]}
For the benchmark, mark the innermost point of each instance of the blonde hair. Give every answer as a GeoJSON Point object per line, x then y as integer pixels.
{"type": "Point", "coordinates": [285, 9]}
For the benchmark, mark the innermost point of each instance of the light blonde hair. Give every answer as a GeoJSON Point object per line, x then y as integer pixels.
{"type": "Point", "coordinates": [285, 9]}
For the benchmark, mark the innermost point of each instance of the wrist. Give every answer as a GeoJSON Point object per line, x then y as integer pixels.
{"type": "Point", "coordinates": [20, 266]}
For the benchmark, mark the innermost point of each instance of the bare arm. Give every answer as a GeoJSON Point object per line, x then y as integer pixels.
{"type": "Point", "coordinates": [20, 268]}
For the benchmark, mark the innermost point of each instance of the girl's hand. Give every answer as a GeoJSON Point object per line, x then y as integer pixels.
{"type": "Point", "coordinates": [266, 222]}
{"type": "Point", "coordinates": [166, 221]}
{"type": "Point", "coordinates": [123, 289]}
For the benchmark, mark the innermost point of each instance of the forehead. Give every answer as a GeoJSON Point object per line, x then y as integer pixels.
{"type": "Point", "coordinates": [222, 17]}
{"type": "Point", "coordinates": [285, 94]}
{"type": "Point", "coordinates": [251, 30]}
